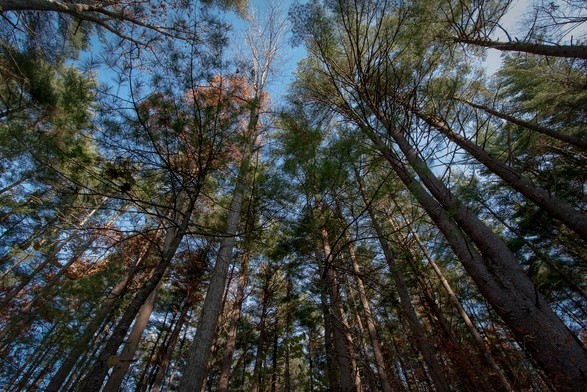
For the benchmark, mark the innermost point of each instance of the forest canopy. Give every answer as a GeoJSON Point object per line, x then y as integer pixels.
{"type": "Point", "coordinates": [400, 219]}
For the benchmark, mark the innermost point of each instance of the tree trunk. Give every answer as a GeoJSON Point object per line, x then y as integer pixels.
{"type": "Point", "coordinates": [569, 51]}
{"type": "Point", "coordinates": [95, 378]}
{"type": "Point", "coordinates": [92, 327]}
{"type": "Point", "coordinates": [343, 357]}
{"type": "Point", "coordinates": [575, 141]}
{"type": "Point", "coordinates": [371, 328]}
{"type": "Point", "coordinates": [497, 274]}
{"type": "Point", "coordinates": [195, 370]}
{"type": "Point", "coordinates": [165, 358]}
{"type": "Point", "coordinates": [132, 342]}
{"type": "Point", "coordinates": [559, 209]}
{"type": "Point", "coordinates": [435, 368]}
{"type": "Point", "coordinates": [260, 355]}
{"type": "Point", "coordinates": [233, 324]}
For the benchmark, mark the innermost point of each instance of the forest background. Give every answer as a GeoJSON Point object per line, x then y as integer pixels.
{"type": "Point", "coordinates": [181, 209]}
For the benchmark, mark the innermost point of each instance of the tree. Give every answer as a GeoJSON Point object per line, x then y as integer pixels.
{"type": "Point", "coordinates": [351, 85]}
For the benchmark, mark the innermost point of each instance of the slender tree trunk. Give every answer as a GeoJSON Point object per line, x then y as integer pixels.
{"type": "Point", "coordinates": [558, 208]}
{"type": "Point", "coordinates": [91, 328]}
{"type": "Point", "coordinates": [167, 354]}
{"type": "Point", "coordinates": [287, 327]}
{"type": "Point", "coordinates": [435, 368]}
{"type": "Point", "coordinates": [371, 328]}
{"type": "Point", "coordinates": [275, 355]}
{"type": "Point", "coordinates": [233, 324]}
{"type": "Point", "coordinates": [132, 342]}
{"type": "Point", "coordinates": [481, 345]}
{"type": "Point", "coordinates": [260, 355]}
{"type": "Point", "coordinates": [497, 274]}
{"type": "Point", "coordinates": [329, 350]}
{"type": "Point", "coordinates": [569, 51]}
{"type": "Point", "coordinates": [94, 380]}
{"type": "Point", "coordinates": [343, 357]}
{"type": "Point", "coordinates": [581, 143]}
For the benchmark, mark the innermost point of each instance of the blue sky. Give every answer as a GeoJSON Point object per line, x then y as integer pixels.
{"type": "Point", "coordinates": [289, 56]}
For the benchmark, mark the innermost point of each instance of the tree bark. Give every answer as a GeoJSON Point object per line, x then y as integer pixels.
{"type": "Point", "coordinates": [371, 328]}
{"type": "Point", "coordinates": [165, 358]}
{"type": "Point", "coordinates": [95, 378]}
{"type": "Point", "coordinates": [132, 342]}
{"type": "Point", "coordinates": [260, 354]}
{"type": "Point", "coordinates": [345, 372]}
{"type": "Point", "coordinates": [558, 208]}
{"type": "Point", "coordinates": [233, 324]}
{"type": "Point", "coordinates": [435, 368]}
{"type": "Point", "coordinates": [195, 370]}
{"type": "Point", "coordinates": [497, 274]}
{"type": "Point", "coordinates": [92, 327]}
{"type": "Point", "coordinates": [569, 51]}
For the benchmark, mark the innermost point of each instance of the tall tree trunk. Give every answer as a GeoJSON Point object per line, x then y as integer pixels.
{"type": "Point", "coordinates": [435, 368]}
{"type": "Point", "coordinates": [329, 350]}
{"type": "Point", "coordinates": [260, 355]}
{"type": "Point", "coordinates": [497, 274]}
{"type": "Point", "coordinates": [481, 345]}
{"type": "Point", "coordinates": [343, 357]}
{"type": "Point", "coordinates": [165, 358]}
{"type": "Point", "coordinates": [274, 355]}
{"type": "Point", "coordinates": [95, 378]}
{"type": "Point", "coordinates": [581, 143]}
{"type": "Point", "coordinates": [195, 370]}
{"type": "Point", "coordinates": [233, 324]}
{"type": "Point", "coordinates": [371, 328]}
{"type": "Point", "coordinates": [93, 326]}
{"type": "Point", "coordinates": [124, 360]}
{"type": "Point", "coordinates": [556, 207]}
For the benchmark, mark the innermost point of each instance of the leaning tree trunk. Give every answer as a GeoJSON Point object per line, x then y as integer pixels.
{"type": "Point", "coordinates": [435, 368]}
{"type": "Point", "coordinates": [132, 343]}
{"type": "Point", "coordinates": [368, 314]}
{"type": "Point", "coordinates": [568, 51]}
{"type": "Point", "coordinates": [497, 274]}
{"type": "Point", "coordinates": [556, 207]}
{"type": "Point", "coordinates": [261, 342]}
{"type": "Point", "coordinates": [575, 141]}
{"type": "Point", "coordinates": [95, 378]}
{"type": "Point", "coordinates": [93, 326]}
{"type": "Point", "coordinates": [481, 345]}
{"type": "Point", "coordinates": [165, 358]}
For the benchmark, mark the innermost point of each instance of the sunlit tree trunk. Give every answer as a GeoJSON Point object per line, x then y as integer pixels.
{"type": "Point", "coordinates": [124, 360]}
